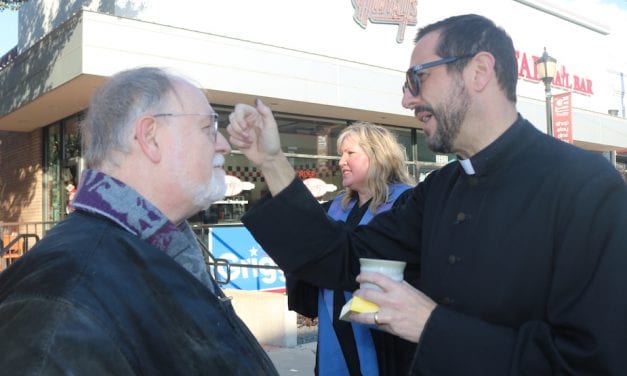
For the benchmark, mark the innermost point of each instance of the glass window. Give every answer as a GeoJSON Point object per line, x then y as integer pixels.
{"type": "Point", "coordinates": [71, 160]}
{"type": "Point", "coordinates": [52, 173]}
{"type": "Point", "coordinates": [62, 160]}
{"type": "Point", "coordinates": [310, 145]}
{"type": "Point", "coordinates": [405, 137]}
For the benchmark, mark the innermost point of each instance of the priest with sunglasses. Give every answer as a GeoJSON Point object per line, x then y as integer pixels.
{"type": "Point", "coordinates": [521, 243]}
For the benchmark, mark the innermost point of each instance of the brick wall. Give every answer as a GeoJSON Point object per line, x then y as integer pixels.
{"type": "Point", "coordinates": [21, 175]}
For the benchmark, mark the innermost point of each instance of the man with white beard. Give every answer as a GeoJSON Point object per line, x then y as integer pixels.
{"type": "Point", "coordinates": [120, 286]}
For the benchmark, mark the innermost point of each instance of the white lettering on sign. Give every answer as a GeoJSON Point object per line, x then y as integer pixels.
{"type": "Point", "coordinates": [268, 276]}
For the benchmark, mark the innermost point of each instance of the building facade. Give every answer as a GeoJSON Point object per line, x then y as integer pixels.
{"type": "Point", "coordinates": [319, 65]}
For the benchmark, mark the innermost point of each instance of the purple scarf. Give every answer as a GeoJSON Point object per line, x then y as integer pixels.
{"type": "Point", "coordinates": [104, 195]}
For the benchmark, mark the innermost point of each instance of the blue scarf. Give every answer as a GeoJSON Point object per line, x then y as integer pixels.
{"type": "Point", "coordinates": [104, 195]}
{"type": "Point", "coordinates": [330, 356]}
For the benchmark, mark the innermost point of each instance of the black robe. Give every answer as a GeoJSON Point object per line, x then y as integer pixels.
{"type": "Point", "coordinates": [393, 353]}
{"type": "Point", "coordinates": [526, 258]}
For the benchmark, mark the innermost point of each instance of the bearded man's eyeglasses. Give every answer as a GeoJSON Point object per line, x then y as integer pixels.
{"type": "Point", "coordinates": [213, 120]}
{"type": "Point", "coordinates": [412, 77]}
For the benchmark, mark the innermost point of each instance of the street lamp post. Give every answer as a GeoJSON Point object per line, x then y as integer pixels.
{"type": "Point", "coordinates": [547, 67]}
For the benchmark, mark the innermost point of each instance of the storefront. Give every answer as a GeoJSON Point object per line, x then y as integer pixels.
{"type": "Point", "coordinates": [319, 65]}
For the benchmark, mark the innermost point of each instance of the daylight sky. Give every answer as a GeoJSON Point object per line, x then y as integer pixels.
{"type": "Point", "coordinates": [8, 31]}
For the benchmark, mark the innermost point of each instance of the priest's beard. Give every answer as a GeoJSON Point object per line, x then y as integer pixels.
{"type": "Point", "coordinates": [449, 115]}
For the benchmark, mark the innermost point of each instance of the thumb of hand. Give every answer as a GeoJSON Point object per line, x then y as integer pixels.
{"type": "Point", "coordinates": [264, 110]}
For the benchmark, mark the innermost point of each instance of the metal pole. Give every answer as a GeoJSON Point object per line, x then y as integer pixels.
{"type": "Point", "coordinates": [549, 110]}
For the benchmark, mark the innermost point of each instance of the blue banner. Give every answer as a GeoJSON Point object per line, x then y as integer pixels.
{"type": "Point", "coordinates": [237, 246]}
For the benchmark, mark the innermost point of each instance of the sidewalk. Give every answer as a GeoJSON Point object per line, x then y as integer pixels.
{"type": "Point", "coordinates": [299, 360]}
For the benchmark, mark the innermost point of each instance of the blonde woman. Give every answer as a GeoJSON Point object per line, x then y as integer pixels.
{"type": "Point", "coordinates": [375, 179]}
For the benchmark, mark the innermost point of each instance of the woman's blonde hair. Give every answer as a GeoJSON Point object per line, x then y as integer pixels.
{"type": "Point", "coordinates": [387, 161]}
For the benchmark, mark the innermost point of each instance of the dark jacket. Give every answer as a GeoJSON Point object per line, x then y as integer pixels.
{"type": "Point", "coordinates": [92, 298]}
{"type": "Point", "coordinates": [393, 354]}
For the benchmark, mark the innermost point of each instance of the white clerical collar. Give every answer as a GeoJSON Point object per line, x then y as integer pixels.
{"type": "Point", "coordinates": [467, 166]}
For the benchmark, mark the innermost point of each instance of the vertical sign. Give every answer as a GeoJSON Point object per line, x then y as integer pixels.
{"type": "Point", "coordinates": [563, 117]}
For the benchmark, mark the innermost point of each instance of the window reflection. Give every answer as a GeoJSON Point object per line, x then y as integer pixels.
{"type": "Point", "coordinates": [62, 161]}
{"type": "Point", "coordinates": [310, 145]}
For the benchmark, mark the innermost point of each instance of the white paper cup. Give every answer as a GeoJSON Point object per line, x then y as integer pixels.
{"type": "Point", "coordinates": [392, 269]}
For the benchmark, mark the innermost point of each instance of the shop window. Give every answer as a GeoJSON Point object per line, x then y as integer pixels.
{"type": "Point", "coordinates": [62, 161]}
{"type": "Point", "coordinates": [71, 161]}
{"type": "Point", "coordinates": [52, 173]}
{"type": "Point", "coordinates": [310, 145]}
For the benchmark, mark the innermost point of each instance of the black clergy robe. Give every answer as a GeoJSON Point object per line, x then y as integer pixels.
{"type": "Point", "coordinates": [393, 353]}
{"type": "Point", "coordinates": [526, 258]}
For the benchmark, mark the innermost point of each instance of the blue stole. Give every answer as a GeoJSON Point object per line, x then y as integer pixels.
{"type": "Point", "coordinates": [330, 356]}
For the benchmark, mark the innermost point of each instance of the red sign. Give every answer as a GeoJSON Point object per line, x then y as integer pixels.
{"type": "Point", "coordinates": [563, 117]}
{"type": "Point", "coordinates": [563, 78]}
{"type": "Point", "coordinates": [397, 12]}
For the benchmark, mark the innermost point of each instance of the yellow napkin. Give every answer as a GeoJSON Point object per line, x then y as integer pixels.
{"type": "Point", "coordinates": [357, 305]}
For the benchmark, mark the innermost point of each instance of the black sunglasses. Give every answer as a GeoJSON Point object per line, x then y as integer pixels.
{"type": "Point", "coordinates": [412, 79]}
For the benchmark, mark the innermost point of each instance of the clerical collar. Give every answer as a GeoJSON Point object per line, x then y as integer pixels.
{"type": "Point", "coordinates": [467, 166]}
{"type": "Point", "coordinates": [104, 195]}
{"type": "Point", "coordinates": [497, 154]}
